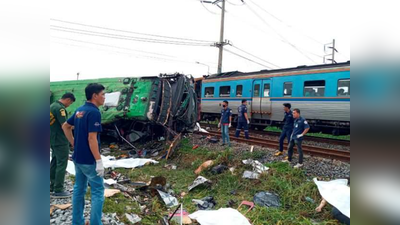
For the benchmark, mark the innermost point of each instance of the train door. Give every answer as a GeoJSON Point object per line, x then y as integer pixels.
{"type": "Point", "coordinates": [266, 105]}
{"type": "Point", "coordinates": [256, 101]}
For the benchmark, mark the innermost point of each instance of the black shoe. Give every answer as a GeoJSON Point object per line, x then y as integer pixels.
{"type": "Point", "coordinates": [64, 194]}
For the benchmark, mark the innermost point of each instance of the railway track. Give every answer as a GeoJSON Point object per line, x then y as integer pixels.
{"type": "Point", "coordinates": [310, 150]}
{"type": "Point", "coordinates": [306, 138]}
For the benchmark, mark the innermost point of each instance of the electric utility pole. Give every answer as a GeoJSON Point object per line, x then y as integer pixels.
{"type": "Point", "coordinates": [221, 38]}
{"type": "Point", "coordinates": [221, 42]}
{"type": "Point", "coordinates": [332, 55]}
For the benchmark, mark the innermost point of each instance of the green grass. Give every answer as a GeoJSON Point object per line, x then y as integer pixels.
{"type": "Point", "coordinates": [291, 185]}
{"type": "Point", "coordinates": [322, 135]}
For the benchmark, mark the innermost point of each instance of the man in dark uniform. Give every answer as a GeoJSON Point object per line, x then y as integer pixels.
{"type": "Point", "coordinates": [300, 129]}
{"type": "Point", "coordinates": [59, 144]}
{"type": "Point", "coordinates": [225, 122]}
{"type": "Point", "coordinates": [243, 120]}
{"type": "Point", "coordinates": [87, 159]}
{"type": "Point", "coordinates": [287, 127]}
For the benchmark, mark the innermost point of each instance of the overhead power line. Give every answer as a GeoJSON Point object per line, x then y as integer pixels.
{"type": "Point", "coordinates": [276, 32]}
{"type": "Point", "coordinates": [112, 46]}
{"type": "Point", "coordinates": [286, 24]}
{"type": "Point", "coordinates": [124, 37]}
{"type": "Point", "coordinates": [132, 32]}
{"type": "Point", "coordinates": [128, 54]}
{"type": "Point", "coordinates": [243, 57]}
{"type": "Point", "coordinates": [235, 3]}
{"type": "Point", "coordinates": [255, 56]}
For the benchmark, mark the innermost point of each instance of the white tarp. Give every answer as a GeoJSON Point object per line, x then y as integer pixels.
{"type": "Point", "coordinates": [223, 216]}
{"type": "Point", "coordinates": [70, 167]}
{"type": "Point", "coordinates": [336, 193]}
{"type": "Point", "coordinates": [110, 162]}
{"type": "Point", "coordinates": [112, 99]}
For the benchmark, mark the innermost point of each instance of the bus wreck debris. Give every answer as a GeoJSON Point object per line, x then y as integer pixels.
{"type": "Point", "coordinates": [140, 109]}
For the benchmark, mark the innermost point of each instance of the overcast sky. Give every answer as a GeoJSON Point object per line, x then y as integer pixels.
{"type": "Point", "coordinates": [279, 33]}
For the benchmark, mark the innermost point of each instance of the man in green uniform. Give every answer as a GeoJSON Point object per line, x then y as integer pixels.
{"type": "Point", "coordinates": [59, 144]}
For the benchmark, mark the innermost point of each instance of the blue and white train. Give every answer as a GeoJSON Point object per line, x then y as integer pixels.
{"type": "Point", "coordinates": [321, 92]}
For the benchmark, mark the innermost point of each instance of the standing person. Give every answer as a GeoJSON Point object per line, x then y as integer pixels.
{"type": "Point", "coordinates": [287, 127]}
{"type": "Point", "coordinates": [87, 158]}
{"type": "Point", "coordinates": [60, 145]}
{"type": "Point", "coordinates": [243, 120]}
{"type": "Point", "coordinates": [225, 123]}
{"type": "Point", "coordinates": [300, 129]}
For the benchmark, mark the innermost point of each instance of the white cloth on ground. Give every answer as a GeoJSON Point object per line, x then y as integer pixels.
{"type": "Point", "coordinates": [223, 216]}
{"type": "Point", "coordinates": [336, 193]}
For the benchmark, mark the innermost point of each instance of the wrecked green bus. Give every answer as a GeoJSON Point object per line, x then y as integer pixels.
{"type": "Point", "coordinates": [136, 107]}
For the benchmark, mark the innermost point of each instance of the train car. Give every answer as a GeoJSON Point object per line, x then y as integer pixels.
{"type": "Point", "coordinates": [139, 106]}
{"type": "Point", "coordinates": [321, 92]}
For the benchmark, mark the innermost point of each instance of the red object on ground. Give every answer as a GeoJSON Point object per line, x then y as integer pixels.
{"type": "Point", "coordinates": [196, 146]}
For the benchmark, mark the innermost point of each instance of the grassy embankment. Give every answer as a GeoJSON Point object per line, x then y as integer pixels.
{"type": "Point", "coordinates": [291, 185]}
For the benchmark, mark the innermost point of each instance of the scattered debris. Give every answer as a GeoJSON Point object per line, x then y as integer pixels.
{"type": "Point", "coordinates": [183, 194]}
{"type": "Point", "coordinates": [246, 203]}
{"type": "Point", "coordinates": [231, 203]}
{"type": "Point", "coordinates": [252, 148]}
{"type": "Point", "coordinates": [133, 218]}
{"type": "Point", "coordinates": [195, 147]}
{"type": "Point", "coordinates": [267, 199]}
{"type": "Point", "coordinates": [232, 169]}
{"type": "Point", "coordinates": [223, 216]}
{"type": "Point", "coordinates": [198, 128]}
{"type": "Point", "coordinates": [206, 203]}
{"type": "Point", "coordinates": [310, 200]}
{"type": "Point", "coordinates": [113, 146]}
{"type": "Point", "coordinates": [122, 188]}
{"type": "Point", "coordinates": [251, 175]}
{"type": "Point", "coordinates": [170, 166]}
{"type": "Point", "coordinates": [218, 169]}
{"type": "Point", "coordinates": [214, 140]}
{"type": "Point", "coordinates": [62, 207]}
{"type": "Point", "coordinates": [199, 181]}
{"type": "Point", "coordinates": [203, 166]}
{"type": "Point", "coordinates": [173, 145]}
{"type": "Point", "coordinates": [111, 192]}
{"type": "Point", "coordinates": [158, 182]}
{"type": "Point", "coordinates": [257, 166]}
{"type": "Point", "coordinates": [178, 215]}
{"type": "Point", "coordinates": [110, 181]}
{"type": "Point", "coordinates": [168, 199]}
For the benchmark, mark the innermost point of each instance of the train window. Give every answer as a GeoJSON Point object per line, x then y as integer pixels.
{"type": "Point", "coordinates": [343, 88]}
{"type": "Point", "coordinates": [287, 89]}
{"type": "Point", "coordinates": [225, 91]}
{"type": "Point", "coordinates": [209, 92]}
{"type": "Point", "coordinates": [256, 90]}
{"type": "Point", "coordinates": [315, 88]}
{"type": "Point", "coordinates": [239, 91]}
{"type": "Point", "coordinates": [267, 89]}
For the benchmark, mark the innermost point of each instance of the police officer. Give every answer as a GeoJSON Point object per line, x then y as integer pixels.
{"type": "Point", "coordinates": [287, 127]}
{"type": "Point", "coordinates": [300, 129]}
{"type": "Point", "coordinates": [225, 122]}
{"type": "Point", "coordinates": [243, 120]}
{"type": "Point", "coordinates": [59, 144]}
